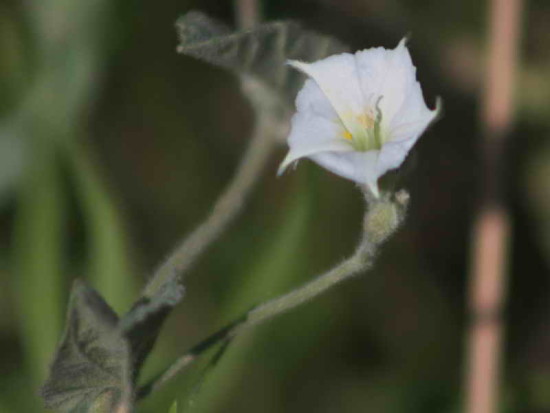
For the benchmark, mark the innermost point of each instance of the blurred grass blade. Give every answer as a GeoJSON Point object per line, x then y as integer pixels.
{"type": "Point", "coordinates": [261, 52]}
{"type": "Point", "coordinates": [11, 162]}
{"type": "Point", "coordinates": [206, 371]}
{"type": "Point", "coordinates": [109, 267]}
{"type": "Point", "coordinates": [39, 244]}
{"type": "Point", "coordinates": [272, 272]}
{"type": "Point", "coordinates": [174, 407]}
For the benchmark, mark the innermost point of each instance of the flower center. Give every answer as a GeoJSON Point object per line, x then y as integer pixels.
{"type": "Point", "coordinates": [367, 136]}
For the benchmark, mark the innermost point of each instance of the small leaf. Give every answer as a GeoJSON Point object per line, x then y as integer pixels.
{"type": "Point", "coordinates": [141, 325]}
{"type": "Point", "coordinates": [98, 361]}
{"type": "Point", "coordinates": [261, 52]}
{"type": "Point", "coordinates": [91, 367]}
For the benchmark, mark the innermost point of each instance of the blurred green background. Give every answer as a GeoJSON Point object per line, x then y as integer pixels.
{"type": "Point", "coordinates": [112, 147]}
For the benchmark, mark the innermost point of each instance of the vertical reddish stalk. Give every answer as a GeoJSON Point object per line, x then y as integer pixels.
{"type": "Point", "coordinates": [492, 225]}
{"type": "Point", "coordinates": [247, 13]}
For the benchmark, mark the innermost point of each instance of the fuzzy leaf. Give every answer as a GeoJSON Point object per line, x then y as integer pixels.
{"type": "Point", "coordinates": [91, 368]}
{"type": "Point", "coordinates": [261, 52]}
{"type": "Point", "coordinates": [98, 361]}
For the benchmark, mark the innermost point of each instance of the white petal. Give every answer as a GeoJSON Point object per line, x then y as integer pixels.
{"type": "Point", "coordinates": [311, 134]}
{"type": "Point", "coordinates": [388, 74]}
{"type": "Point", "coordinates": [312, 99]}
{"type": "Point", "coordinates": [413, 116]}
{"type": "Point", "coordinates": [359, 167]}
{"type": "Point", "coordinates": [405, 135]}
{"type": "Point", "coordinates": [341, 90]}
{"type": "Point", "coordinates": [338, 79]}
{"type": "Point", "coordinates": [392, 155]}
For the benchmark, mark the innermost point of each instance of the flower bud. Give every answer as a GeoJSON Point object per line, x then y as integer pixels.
{"type": "Point", "coordinates": [384, 216]}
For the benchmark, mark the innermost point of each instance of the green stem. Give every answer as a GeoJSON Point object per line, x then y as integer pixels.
{"type": "Point", "coordinates": [359, 261]}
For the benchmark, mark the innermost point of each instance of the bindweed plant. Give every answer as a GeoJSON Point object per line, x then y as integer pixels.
{"type": "Point", "coordinates": [358, 116]}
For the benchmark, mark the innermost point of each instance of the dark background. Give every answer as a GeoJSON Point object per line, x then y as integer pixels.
{"type": "Point", "coordinates": [113, 146]}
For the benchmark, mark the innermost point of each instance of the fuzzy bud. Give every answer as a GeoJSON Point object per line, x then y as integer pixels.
{"type": "Point", "coordinates": [384, 216]}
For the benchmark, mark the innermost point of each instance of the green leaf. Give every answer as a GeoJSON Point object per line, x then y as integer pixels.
{"type": "Point", "coordinates": [92, 366]}
{"type": "Point", "coordinates": [98, 361]}
{"type": "Point", "coordinates": [261, 52]}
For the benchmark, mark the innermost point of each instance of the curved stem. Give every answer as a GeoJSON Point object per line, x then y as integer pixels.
{"type": "Point", "coordinates": [382, 219]}
{"type": "Point", "coordinates": [361, 260]}
{"type": "Point", "coordinates": [268, 121]}
{"type": "Point", "coordinates": [225, 210]}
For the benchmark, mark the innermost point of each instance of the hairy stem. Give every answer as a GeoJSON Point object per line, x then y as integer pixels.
{"type": "Point", "coordinates": [382, 219]}
{"type": "Point", "coordinates": [270, 119]}
{"type": "Point", "coordinates": [361, 260]}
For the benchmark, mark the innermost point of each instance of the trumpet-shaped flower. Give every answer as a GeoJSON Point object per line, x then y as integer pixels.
{"type": "Point", "coordinates": [358, 115]}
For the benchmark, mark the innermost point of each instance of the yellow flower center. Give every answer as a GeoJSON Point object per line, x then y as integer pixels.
{"type": "Point", "coordinates": [348, 136]}
{"type": "Point", "coordinates": [366, 134]}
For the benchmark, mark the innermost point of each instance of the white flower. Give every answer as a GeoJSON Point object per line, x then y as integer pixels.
{"type": "Point", "coordinates": [359, 114]}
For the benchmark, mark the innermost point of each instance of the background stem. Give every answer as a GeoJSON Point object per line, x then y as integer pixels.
{"type": "Point", "coordinates": [247, 13]}
{"type": "Point", "coordinates": [492, 227]}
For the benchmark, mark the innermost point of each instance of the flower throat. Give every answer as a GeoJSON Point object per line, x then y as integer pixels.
{"type": "Point", "coordinates": [369, 135]}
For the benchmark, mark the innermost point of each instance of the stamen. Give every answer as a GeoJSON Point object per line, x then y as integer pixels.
{"type": "Point", "coordinates": [366, 121]}
{"type": "Point", "coordinates": [377, 135]}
